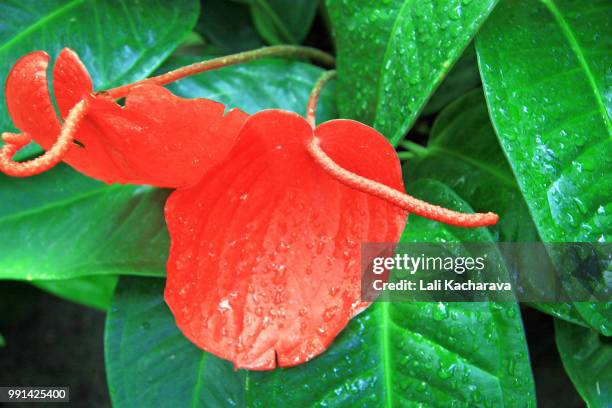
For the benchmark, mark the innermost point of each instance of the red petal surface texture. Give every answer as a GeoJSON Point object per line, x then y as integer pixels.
{"type": "Point", "coordinates": [27, 99]}
{"type": "Point", "coordinates": [156, 138]}
{"type": "Point", "coordinates": [264, 260]}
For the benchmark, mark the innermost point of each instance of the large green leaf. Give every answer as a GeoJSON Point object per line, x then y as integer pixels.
{"type": "Point", "coordinates": [94, 291]}
{"type": "Point", "coordinates": [392, 55]}
{"type": "Point", "coordinates": [394, 354]}
{"type": "Point", "coordinates": [513, 374]}
{"type": "Point", "coordinates": [2, 341]}
{"type": "Point", "coordinates": [265, 84]}
{"type": "Point", "coordinates": [587, 358]}
{"type": "Point", "coordinates": [228, 26]}
{"type": "Point", "coordinates": [119, 41]}
{"type": "Point", "coordinates": [62, 225]}
{"type": "Point", "coordinates": [150, 363]}
{"type": "Point", "coordinates": [281, 23]}
{"type": "Point", "coordinates": [463, 153]}
{"type": "Point", "coordinates": [545, 69]}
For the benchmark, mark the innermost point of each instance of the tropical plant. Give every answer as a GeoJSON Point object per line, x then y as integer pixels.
{"type": "Point", "coordinates": [491, 105]}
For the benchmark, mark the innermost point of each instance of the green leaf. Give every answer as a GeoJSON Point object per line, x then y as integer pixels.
{"type": "Point", "coordinates": [62, 225]}
{"type": "Point", "coordinates": [401, 353]}
{"type": "Point", "coordinates": [587, 358]}
{"type": "Point", "coordinates": [463, 153]}
{"type": "Point", "coordinates": [227, 25]}
{"type": "Point", "coordinates": [392, 55]}
{"type": "Point", "coordinates": [550, 104]}
{"type": "Point", "coordinates": [462, 78]}
{"type": "Point", "coordinates": [145, 351]}
{"type": "Point", "coordinates": [264, 84]}
{"type": "Point", "coordinates": [94, 291]}
{"type": "Point", "coordinates": [516, 387]}
{"type": "Point", "coordinates": [2, 341]}
{"type": "Point", "coordinates": [280, 23]}
{"type": "Point", "coordinates": [565, 311]}
{"type": "Point", "coordinates": [119, 41]}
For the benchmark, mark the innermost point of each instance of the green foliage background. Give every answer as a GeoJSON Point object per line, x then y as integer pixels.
{"type": "Point", "coordinates": [492, 105]}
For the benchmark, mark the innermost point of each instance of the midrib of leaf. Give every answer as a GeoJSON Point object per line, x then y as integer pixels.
{"type": "Point", "coordinates": [443, 135]}
{"type": "Point", "coordinates": [122, 340]}
{"type": "Point", "coordinates": [386, 357]}
{"type": "Point", "coordinates": [130, 21]}
{"type": "Point", "coordinates": [247, 387]}
{"type": "Point", "coordinates": [499, 336]}
{"type": "Point", "coordinates": [573, 42]}
{"type": "Point", "coordinates": [198, 386]}
{"type": "Point", "coordinates": [46, 18]}
{"type": "Point", "coordinates": [488, 169]}
{"type": "Point", "coordinates": [467, 360]}
{"type": "Point", "coordinates": [60, 203]}
{"type": "Point", "coordinates": [101, 43]}
{"type": "Point", "coordinates": [396, 23]}
{"type": "Point", "coordinates": [276, 20]}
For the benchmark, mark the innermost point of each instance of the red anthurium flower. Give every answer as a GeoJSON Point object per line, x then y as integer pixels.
{"type": "Point", "coordinates": [269, 214]}
{"type": "Point", "coordinates": [264, 262]}
{"type": "Point", "coordinates": [157, 138]}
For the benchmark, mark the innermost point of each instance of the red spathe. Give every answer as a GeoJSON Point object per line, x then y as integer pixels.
{"type": "Point", "coordinates": [264, 259]}
{"type": "Point", "coordinates": [157, 138]}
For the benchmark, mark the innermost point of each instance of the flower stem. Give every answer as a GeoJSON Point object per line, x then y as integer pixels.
{"type": "Point", "coordinates": [414, 148]}
{"type": "Point", "coordinates": [313, 99]}
{"type": "Point", "coordinates": [406, 155]}
{"type": "Point", "coordinates": [396, 197]}
{"type": "Point", "coordinates": [287, 51]}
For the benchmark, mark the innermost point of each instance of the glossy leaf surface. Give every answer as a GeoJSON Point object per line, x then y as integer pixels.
{"type": "Point", "coordinates": [461, 79]}
{"type": "Point", "coordinates": [587, 358]}
{"type": "Point", "coordinates": [279, 23]}
{"type": "Point", "coordinates": [516, 386]}
{"type": "Point", "coordinates": [62, 225]}
{"type": "Point", "coordinates": [107, 34]}
{"type": "Point", "coordinates": [394, 354]}
{"type": "Point", "coordinates": [463, 152]}
{"type": "Point", "coordinates": [545, 70]}
{"type": "Point", "coordinates": [94, 291]}
{"type": "Point", "coordinates": [391, 56]}
{"type": "Point", "coordinates": [258, 85]}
